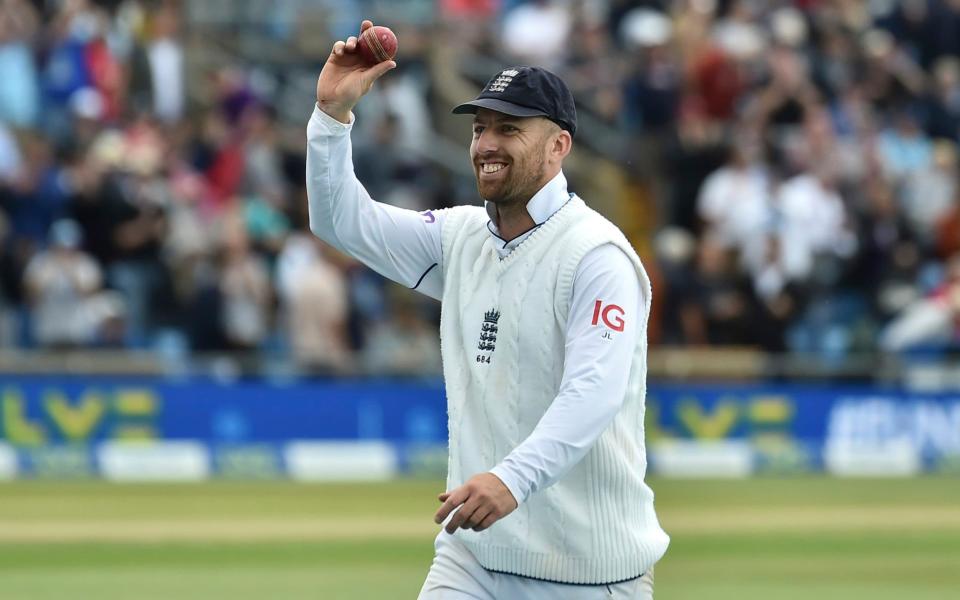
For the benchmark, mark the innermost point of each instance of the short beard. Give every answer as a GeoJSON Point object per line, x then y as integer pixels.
{"type": "Point", "coordinates": [512, 192]}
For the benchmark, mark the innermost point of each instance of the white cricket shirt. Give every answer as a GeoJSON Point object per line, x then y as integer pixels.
{"type": "Point", "coordinates": [405, 246]}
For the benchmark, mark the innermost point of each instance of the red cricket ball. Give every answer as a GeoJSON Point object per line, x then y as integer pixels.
{"type": "Point", "coordinates": [377, 44]}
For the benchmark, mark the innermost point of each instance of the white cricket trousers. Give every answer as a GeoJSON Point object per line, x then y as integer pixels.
{"type": "Point", "coordinates": [456, 575]}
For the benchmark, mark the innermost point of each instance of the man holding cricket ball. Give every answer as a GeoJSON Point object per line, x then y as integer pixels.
{"type": "Point", "coordinates": [543, 336]}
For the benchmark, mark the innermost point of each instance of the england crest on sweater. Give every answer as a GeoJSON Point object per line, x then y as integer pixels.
{"type": "Point", "coordinates": [488, 336]}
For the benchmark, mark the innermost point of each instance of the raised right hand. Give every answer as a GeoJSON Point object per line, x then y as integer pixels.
{"type": "Point", "coordinates": [345, 78]}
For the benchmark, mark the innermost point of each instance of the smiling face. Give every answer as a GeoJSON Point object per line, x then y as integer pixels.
{"type": "Point", "coordinates": [513, 157]}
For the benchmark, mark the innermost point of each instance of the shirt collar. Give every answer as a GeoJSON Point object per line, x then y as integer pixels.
{"type": "Point", "coordinates": [540, 207]}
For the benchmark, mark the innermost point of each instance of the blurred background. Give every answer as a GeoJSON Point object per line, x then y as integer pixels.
{"type": "Point", "coordinates": [788, 170]}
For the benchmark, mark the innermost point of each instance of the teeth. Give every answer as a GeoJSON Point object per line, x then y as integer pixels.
{"type": "Point", "coordinates": [492, 167]}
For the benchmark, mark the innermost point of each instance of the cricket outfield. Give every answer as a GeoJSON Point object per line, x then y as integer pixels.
{"type": "Point", "coordinates": [803, 537]}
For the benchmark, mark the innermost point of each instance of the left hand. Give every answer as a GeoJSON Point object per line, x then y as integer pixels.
{"type": "Point", "coordinates": [483, 500]}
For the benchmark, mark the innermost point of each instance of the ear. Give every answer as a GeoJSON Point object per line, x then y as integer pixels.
{"type": "Point", "coordinates": [561, 144]}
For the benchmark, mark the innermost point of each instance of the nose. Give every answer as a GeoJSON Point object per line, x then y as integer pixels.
{"type": "Point", "coordinates": [487, 142]}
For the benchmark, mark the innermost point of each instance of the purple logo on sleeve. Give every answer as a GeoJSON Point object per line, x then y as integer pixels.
{"type": "Point", "coordinates": [428, 216]}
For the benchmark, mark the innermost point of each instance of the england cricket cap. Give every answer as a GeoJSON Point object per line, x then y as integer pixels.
{"type": "Point", "coordinates": [527, 92]}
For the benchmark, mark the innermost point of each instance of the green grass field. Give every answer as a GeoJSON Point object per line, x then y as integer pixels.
{"type": "Point", "coordinates": [757, 539]}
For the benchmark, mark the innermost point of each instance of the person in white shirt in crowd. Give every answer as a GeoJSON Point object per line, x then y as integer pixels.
{"type": "Point", "coordinates": [165, 54]}
{"type": "Point", "coordinates": [734, 202]}
{"type": "Point", "coordinates": [538, 32]}
{"type": "Point", "coordinates": [157, 68]}
{"type": "Point", "coordinates": [812, 221]}
{"type": "Point", "coordinates": [64, 285]}
{"type": "Point", "coordinates": [544, 308]}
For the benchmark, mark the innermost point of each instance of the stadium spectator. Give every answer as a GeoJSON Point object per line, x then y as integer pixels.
{"type": "Point", "coordinates": [779, 295]}
{"type": "Point", "coordinates": [38, 195]}
{"type": "Point", "coordinates": [942, 104]}
{"type": "Point", "coordinates": [593, 77]}
{"type": "Point", "coordinates": [64, 289]}
{"type": "Point", "coordinates": [734, 201]}
{"type": "Point", "coordinates": [928, 193]}
{"type": "Point", "coordinates": [124, 211]}
{"type": "Point", "coordinates": [315, 292]}
{"type": "Point", "coordinates": [405, 343]}
{"type": "Point", "coordinates": [716, 307]}
{"type": "Point", "coordinates": [536, 32]}
{"type": "Point", "coordinates": [66, 69]}
{"type": "Point", "coordinates": [157, 74]}
{"type": "Point", "coordinates": [903, 147]}
{"type": "Point", "coordinates": [263, 158]}
{"type": "Point", "coordinates": [691, 153]}
{"type": "Point", "coordinates": [812, 222]}
{"type": "Point", "coordinates": [932, 322]}
{"type": "Point", "coordinates": [20, 93]}
{"type": "Point", "coordinates": [403, 97]}
{"type": "Point", "coordinates": [381, 162]}
{"type": "Point", "coordinates": [244, 288]}
{"type": "Point", "coordinates": [11, 163]}
{"type": "Point", "coordinates": [219, 154]}
{"type": "Point", "coordinates": [889, 256]}
{"type": "Point", "coordinates": [948, 231]}
{"type": "Point", "coordinates": [651, 89]}
{"type": "Point", "coordinates": [266, 220]}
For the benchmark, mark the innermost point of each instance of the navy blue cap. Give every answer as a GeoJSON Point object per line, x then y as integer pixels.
{"type": "Point", "coordinates": [527, 92]}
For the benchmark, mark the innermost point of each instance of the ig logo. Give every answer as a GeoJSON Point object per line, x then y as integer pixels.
{"type": "Point", "coordinates": [611, 314]}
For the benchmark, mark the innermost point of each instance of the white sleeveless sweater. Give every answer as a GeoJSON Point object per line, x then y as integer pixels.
{"type": "Point", "coordinates": [502, 339]}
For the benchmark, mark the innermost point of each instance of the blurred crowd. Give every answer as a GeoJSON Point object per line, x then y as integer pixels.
{"type": "Point", "coordinates": [801, 158]}
{"type": "Point", "coordinates": [808, 152]}
{"type": "Point", "coordinates": [135, 216]}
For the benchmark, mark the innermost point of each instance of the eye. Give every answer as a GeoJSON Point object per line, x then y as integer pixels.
{"type": "Point", "coordinates": [507, 128]}
{"type": "Point", "coordinates": [477, 130]}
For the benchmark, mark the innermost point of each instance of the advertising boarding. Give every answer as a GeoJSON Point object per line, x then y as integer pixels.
{"type": "Point", "coordinates": [330, 429]}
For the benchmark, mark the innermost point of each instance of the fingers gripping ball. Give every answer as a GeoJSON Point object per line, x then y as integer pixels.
{"type": "Point", "coordinates": [377, 44]}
